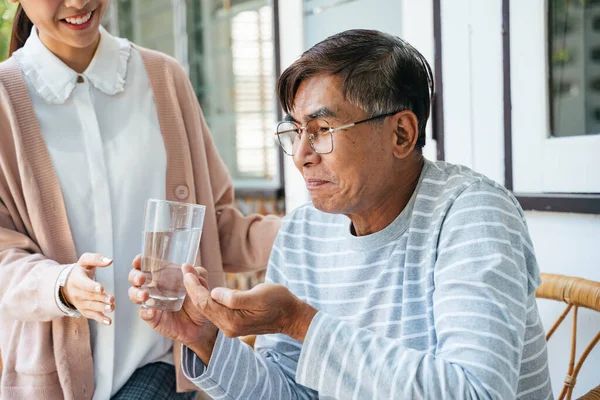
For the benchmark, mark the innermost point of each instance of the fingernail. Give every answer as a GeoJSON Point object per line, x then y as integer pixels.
{"type": "Point", "coordinates": [217, 294]}
{"type": "Point", "coordinates": [190, 278]}
{"type": "Point", "coordinates": [107, 307]}
{"type": "Point", "coordinates": [106, 260]}
{"type": "Point", "coordinates": [97, 289]}
{"type": "Point", "coordinates": [106, 322]}
{"type": "Point", "coordinates": [149, 311]}
{"type": "Point", "coordinates": [140, 295]}
{"type": "Point", "coordinates": [107, 299]}
{"type": "Point", "coordinates": [203, 303]}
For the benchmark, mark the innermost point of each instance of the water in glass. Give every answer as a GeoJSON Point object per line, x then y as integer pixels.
{"type": "Point", "coordinates": [172, 233]}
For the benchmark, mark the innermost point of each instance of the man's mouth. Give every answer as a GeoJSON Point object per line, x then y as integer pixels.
{"type": "Point", "coordinates": [315, 183]}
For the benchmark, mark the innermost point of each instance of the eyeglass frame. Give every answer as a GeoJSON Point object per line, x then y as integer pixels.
{"type": "Point", "coordinates": [331, 130]}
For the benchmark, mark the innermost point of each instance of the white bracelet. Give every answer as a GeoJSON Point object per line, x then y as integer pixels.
{"type": "Point", "coordinates": [60, 282]}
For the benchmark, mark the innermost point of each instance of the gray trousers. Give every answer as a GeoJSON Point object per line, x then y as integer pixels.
{"type": "Point", "coordinates": [154, 381]}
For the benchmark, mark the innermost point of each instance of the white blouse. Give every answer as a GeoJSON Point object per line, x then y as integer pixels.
{"type": "Point", "coordinates": [102, 132]}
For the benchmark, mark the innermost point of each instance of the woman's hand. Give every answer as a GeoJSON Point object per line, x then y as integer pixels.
{"type": "Point", "coordinates": [84, 293]}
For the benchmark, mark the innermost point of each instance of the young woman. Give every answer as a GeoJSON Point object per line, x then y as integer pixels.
{"type": "Point", "coordinates": [90, 127]}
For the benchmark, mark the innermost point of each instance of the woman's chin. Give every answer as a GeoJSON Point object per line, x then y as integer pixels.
{"type": "Point", "coordinates": [82, 40]}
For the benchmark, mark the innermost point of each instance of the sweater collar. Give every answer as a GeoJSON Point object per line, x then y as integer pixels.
{"type": "Point", "coordinates": [54, 81]}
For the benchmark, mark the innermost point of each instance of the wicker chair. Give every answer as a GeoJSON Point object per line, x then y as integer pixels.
{"type": "Point", "coordinates": [575, 292]}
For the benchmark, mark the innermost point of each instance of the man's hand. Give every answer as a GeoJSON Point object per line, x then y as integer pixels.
{"type": "Point", "coordinates": [266, 308]}
{"type": "Point", "coordinates": [188, 325]}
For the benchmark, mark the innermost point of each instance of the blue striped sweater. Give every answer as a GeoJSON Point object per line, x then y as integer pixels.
{"type": "Point", "coordinates": [439, 304]}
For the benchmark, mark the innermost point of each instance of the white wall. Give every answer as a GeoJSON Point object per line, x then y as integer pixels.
{"type": "Point", "coordinates": [417, 29]}
{"type": "Point", "coordinates": [568, 244]}
{"type": "Point", "coordinates": [354, 14]}
{"type": "Point", "coordinates": [565, 243]}
{"type": "Point", "coordinates": [291, 36]}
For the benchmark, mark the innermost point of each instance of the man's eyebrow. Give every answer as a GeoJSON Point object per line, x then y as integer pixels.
{"type": "Point", "coordinates": [290, 118]}
{"type": "Point", "coordinates": [321, 112]}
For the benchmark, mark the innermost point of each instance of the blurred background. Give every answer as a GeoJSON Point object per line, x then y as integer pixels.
{"type": "Point", "coordinates": [517, 98]}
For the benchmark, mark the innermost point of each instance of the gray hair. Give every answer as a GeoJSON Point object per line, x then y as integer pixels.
{"type": "Point", "coordinates": [380, 74]}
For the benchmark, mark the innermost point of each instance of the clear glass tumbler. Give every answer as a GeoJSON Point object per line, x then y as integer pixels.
{"type": "Point", "coordinates": [172, 234]}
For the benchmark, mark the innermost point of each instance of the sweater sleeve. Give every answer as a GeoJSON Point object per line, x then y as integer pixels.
{"type": "Point", "coordinates": [484, 283]}
{"type": "Point", "coordinates": [235, 371]}
{"type": "Point", "coordinates": [245, 241]}
{"type": "Point", "coordinates": [27, 278]}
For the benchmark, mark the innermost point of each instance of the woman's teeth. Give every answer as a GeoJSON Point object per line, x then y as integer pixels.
{"type": "Point", "coordinates": [79, 20]}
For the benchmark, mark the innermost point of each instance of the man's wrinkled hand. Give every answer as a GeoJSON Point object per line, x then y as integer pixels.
{"type": "Point", "coordinates": [188, 325]}
{"type": "Point", "coordinates": [265, 309]}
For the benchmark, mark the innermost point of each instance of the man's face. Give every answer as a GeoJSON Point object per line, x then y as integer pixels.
{"type": "Point", "coordinates": [352, 178]}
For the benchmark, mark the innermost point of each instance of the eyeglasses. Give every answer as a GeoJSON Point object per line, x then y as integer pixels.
{"type": "Point", "coordinates": [319, 131]}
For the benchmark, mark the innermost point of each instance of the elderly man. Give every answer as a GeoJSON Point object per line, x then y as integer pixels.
{"type": "Point", "coordinates": [404, 278]}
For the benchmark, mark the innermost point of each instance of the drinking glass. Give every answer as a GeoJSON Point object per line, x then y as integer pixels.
{"type": "Point", "coordinates": [172, 234]}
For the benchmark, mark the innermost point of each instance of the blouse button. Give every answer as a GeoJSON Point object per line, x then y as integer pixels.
{"type": "Point", "coordinates": [80, 79]}
{"type": "Point", "coordinates": [182, 192]}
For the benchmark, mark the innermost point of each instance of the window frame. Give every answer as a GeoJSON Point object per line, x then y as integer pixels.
{"type": "Point", "coordinates": [437, 114]}
{"type": "Point", "coordinates": [272, 190]}
{"type": "Point", "coordinates": [588, 203]}
{"type": "Point", "coordinates": [256, 188]}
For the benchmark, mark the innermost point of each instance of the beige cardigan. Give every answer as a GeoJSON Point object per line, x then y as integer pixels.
{"type": "Point", "coordinates": [47, 355]}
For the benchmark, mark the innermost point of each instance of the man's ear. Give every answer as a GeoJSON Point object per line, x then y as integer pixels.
{"type": "Point", "coordinates": [406, 133]}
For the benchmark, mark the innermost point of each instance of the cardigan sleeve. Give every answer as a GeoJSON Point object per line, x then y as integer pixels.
{"type": "Point", "coordinates": [27, 278]}
{"type": "Point", "coordinates": [245, 241]}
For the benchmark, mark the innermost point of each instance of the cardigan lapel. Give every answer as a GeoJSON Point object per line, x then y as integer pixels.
{"type": "Point", "coordinates": [40, 179]}
{"type": "Point", "coordinates": [180, 182]}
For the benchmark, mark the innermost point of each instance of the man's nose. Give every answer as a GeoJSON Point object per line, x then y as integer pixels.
{"type": "Point", "coordinates": [304, 153]}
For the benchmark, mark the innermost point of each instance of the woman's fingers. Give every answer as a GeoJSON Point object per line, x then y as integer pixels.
{"type": "Point", "coordinates": [94, 260]}
{"type": "Point", "coordinates": [80, 286]}
{"type": "Point", "coordinates": [93, 305]}
{"type": "Point", "coordinates": [97, 316]}
{"type": "Point", "coordinates": [81, 296]}
{"type": "Point", "coordinates": [97, 306]}
{"type": "Point", "coordinates": [107, 298]}
{"type": "Point", "coordinates": [88, 297]}
{"type": "Point", "coordinates": [80, 281]}
{"type": "Point", "coordinates": [92, 286]}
